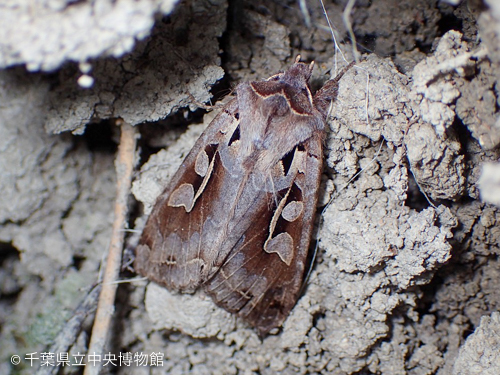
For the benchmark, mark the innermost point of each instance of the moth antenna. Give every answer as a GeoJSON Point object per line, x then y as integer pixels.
{"type": "Point", "coordinates": [297, 59]}
{"type": "Point", "coordinates": [311, 66]}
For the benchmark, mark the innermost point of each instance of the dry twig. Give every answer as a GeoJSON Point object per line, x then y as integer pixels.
{"type": "Point", "coordinates": [124, 167]}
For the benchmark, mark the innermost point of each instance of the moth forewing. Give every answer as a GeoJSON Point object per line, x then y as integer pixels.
{"type": "Point", "coordinates": [168, 252]}
{"type": "Point", "coordinates": [262, 284]}
{"type": "Point", "coordinates": [237, 216]}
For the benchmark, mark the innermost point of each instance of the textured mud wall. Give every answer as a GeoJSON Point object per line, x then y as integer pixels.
{"type": "Point", "coordinates": [407, 274]}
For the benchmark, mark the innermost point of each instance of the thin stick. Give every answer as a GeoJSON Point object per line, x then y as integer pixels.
{"type": "Point", "coordinates": [69, 334]}
{"type": "Point", "coordinates": [124, 166]}
{"type": "Point", "coordinates": [305, 12]}
{"type": "Point", "coordinates": [346, 16]}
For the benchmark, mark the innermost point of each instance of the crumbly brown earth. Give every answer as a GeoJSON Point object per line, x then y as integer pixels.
{"type": "Point", "coordinates": [406, 278]}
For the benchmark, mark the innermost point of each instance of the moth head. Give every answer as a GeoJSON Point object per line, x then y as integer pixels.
{"type": "Point", "coordinates": [297, 75]}
{"type": "Point", "coordinates": [292, 86]}
{"type": "Point", "coordinates": [299, 72]}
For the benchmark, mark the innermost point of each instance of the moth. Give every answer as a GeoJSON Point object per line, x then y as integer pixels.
{"type": "Point", "coordinates": [236, 218]}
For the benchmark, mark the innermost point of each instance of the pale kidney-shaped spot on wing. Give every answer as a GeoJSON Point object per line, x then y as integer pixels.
{"type": "Point", "coordinates": [182, 196]}
{"type": "Point", "coordinates": [292, 211]}
{"type": "Point", "coordinates": [282, 245]}
{"type": "Point", "coordinates": [201, 164]}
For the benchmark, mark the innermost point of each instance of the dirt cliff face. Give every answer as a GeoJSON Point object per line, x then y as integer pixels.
{"type": "Point", "coordinates": [406, 272]}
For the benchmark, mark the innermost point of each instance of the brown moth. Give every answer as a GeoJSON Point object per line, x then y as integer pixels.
{"type": "Point", "coordinates": [236, 218]}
